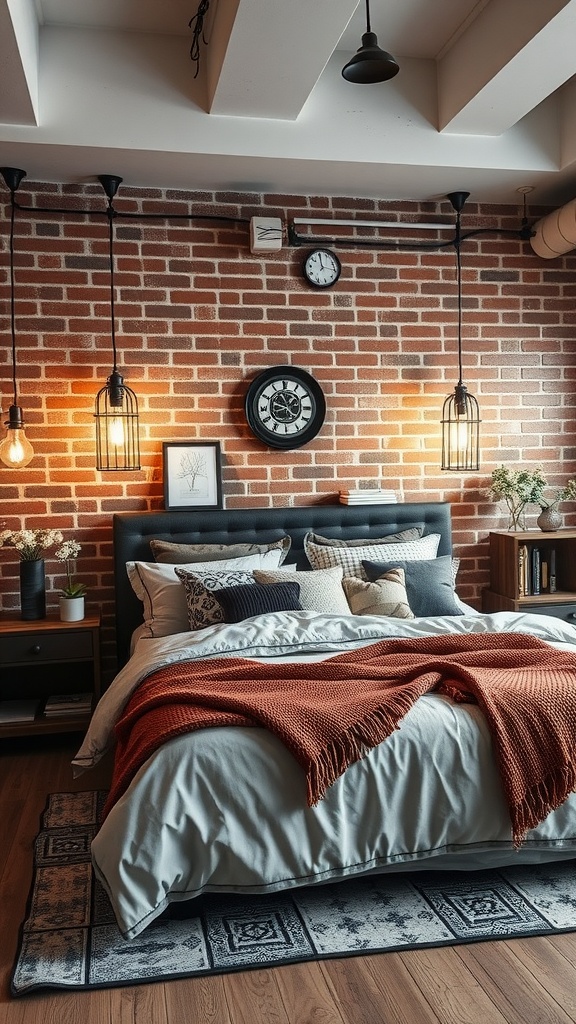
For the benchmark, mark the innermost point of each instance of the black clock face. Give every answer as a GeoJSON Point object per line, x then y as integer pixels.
{"type": "Point", "coordinates": [285, 407]}
{"type": "Point", "coordinates": [322, 268]}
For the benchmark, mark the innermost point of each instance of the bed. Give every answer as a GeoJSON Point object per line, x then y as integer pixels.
{"type": "Point", "coordinates": [214, 808]}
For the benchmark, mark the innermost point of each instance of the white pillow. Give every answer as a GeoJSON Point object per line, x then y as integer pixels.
{"type": "Point", "coordinates": [319, 591]}
{"type": "Point", "coordinates": [350, 558]}
{"type": "Point", "coordinates": [163, 596]}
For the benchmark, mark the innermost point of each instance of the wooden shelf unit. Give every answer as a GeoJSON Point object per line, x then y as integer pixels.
{"type": "Point", "coordinates": [504, 591]}
{"type": "Point", "coordinates": [45, 657]}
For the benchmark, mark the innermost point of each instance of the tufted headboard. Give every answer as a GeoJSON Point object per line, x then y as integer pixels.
{"type": "Point", "coordinates": [134, 531]}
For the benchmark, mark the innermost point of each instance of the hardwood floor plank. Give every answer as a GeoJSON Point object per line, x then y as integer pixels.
{"type": "Point", "coordinates": [307, 995]}
{"type": "Point", "coordinates": [377, 988]}
{"type": "Point", "coordinates": [517, 981]}
{"type": "Point", "coordinates": [451, 988]}
{"type": "Point", "coordinates": [253, 997]}
{"type": "Point", "coordinates": [200, 999]}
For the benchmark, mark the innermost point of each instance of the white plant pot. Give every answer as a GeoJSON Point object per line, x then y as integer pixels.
{"type": "Point", "coordinates": [71, 609]}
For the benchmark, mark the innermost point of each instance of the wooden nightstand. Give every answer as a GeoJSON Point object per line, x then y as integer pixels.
{"type": "Point", "coordinates": [557, 557]}
{"type": "Point", "coordinates": [46, 657]}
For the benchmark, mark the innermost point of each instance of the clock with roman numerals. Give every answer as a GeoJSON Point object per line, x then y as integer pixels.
{"type": "Point", "coordinates": [285, 407]}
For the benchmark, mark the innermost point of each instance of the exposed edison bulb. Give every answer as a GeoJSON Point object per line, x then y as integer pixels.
{"type": "Point", "coordinates": [116, 432]}
{"type": "Point", "coordinates": [16, 450]}
{"type": "Point", "coordinates": [459, 438]}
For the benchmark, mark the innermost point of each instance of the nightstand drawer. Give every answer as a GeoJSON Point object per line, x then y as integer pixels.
{"type": "Point", "coordinates": [559, 611]}
{"type": "Point", "coordinates": [42, 647]}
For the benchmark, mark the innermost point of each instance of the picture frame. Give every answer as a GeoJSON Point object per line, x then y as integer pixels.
{"type": "Point", "coordinates": [192, 473]}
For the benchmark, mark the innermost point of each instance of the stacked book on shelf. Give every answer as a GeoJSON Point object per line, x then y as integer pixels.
{"type": "Point", "coordinates": [536, 570]}
{"type": "Point", "coordinates": [68, 704]}
{"type": "Point", "coordinates": [15, 711]}
{"type": "Point", "coordinates": [367, 496]}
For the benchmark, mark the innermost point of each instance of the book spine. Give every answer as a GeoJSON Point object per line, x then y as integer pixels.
{"type": "Point", "coordinates": [521, 570]}
{"type": "Point", "coordinates": [536, 584]}
{"type": "Point", "coordinates": [553, 571]}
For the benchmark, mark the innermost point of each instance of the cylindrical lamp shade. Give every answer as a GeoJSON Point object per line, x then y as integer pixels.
{"type": "Point", "coordinates": [461, 432]}
{"type": "Point", "coordinates": [117, 430]}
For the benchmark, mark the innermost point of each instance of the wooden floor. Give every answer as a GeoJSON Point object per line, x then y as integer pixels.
{"type": "Point", "coordinates": [526, 981]}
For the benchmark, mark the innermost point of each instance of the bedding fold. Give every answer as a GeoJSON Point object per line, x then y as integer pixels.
{"type": "Point", "coordinates": [329, 713]}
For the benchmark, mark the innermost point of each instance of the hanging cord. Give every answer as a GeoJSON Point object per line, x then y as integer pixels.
{"type": "Point", "coordinates": [12, 302]}
{"type": "Point", "coordinates": [457, 241]}
{"type": "Point", "coordinates": [111, 213]}
{"type": "Point", "coordinates": [197, 25]}
{"type": "Point", "coordinates": [368, 28]}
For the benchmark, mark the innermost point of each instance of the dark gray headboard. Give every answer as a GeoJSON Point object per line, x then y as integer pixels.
{"type": "Point", "coordinates": [134, 531]}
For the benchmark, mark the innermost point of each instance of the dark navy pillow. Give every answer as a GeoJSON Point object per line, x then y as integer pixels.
{"type": "Point", "coordinates": [429, 584]}
{"type": "Point", "coordinates": [248, 599]}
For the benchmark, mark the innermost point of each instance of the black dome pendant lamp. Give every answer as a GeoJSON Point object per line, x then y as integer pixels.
{"type": "Point", "coordinates": [370, 64]}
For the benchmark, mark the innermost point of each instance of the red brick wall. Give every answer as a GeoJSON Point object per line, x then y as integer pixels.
{"type": "Point", "coordinates": [197, 316]}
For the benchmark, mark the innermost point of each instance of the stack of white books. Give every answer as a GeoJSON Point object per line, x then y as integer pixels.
{"type": "Point", "coordinates": [68, 704]}
{"type": "Point", "coordinates": [367, 496]}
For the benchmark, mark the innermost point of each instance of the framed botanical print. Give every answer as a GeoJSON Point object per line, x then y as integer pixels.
{"type": "Point", "coordinates": [192, 474]}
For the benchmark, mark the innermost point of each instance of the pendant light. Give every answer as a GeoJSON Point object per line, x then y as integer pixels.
{"type": "Point", "coordinates": [117, 431]}
{"type": "Point", "coordinates": [460, 414]}
{"type": "Point", "coordinates": [370, 64]}
{"type": "Point", "coordinates": [15, 450]}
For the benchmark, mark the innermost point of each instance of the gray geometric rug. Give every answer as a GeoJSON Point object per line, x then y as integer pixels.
{"type": "Point", "coordinates": [70, 939]}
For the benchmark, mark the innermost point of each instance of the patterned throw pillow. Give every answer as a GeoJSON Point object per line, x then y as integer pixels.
{"type": "Point", "coordinates": [350, 558]}
{"type": "Point", "coordinates": [319, 591]}
{"type": "Point", "coordinates": [241, 602]}
{"type": "Point", "coordinates": [203, 608]}
{"type": "Point", "coordinates": [386, 596]}
{"type": "Point", "coordinates": [429, 584]}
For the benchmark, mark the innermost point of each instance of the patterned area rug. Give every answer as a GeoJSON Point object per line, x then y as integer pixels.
{"type": "Point", "coordinates": [70, 939]}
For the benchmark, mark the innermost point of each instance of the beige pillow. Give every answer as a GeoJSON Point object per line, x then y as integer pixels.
{"type": "Point", "coordinates": [319, 591]}
{"type": "Point", "coordinates": [386, 596]}
{"type": "Point", "coordinates": [350, 558]}
{"type": "Point", "coordinates": [412, 533]}
{"type": "Point", "coordinates": [180, 554]}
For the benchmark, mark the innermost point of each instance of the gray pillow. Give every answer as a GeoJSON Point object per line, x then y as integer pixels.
{"type": "Point", "coordinates": [412, 533]}
{"type": "Point", "coordinates": [429, 584]}
{"type": "Point", "coordinates": [179, 554]}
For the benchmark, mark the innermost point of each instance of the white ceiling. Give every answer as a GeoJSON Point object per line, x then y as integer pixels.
{"type": "Point", "coordinates": [485, 100]}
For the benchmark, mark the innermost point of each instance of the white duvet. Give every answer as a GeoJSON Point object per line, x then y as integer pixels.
{"type": "Point", "coordinates": [224, 810]}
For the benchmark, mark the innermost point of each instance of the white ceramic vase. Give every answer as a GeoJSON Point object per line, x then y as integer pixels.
{"type": "Point", "coordinates": [71, 609]}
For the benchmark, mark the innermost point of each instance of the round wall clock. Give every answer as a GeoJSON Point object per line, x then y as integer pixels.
{"type": "Point", "coordinates": [322, 268]}
{"type": "Point", "coordinates": [285, 407]}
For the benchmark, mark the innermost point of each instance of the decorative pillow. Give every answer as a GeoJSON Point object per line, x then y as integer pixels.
{"type": "Point", "coordinates": [162, 595]}
{"type": "Point", "coordinates": [429, 584]}
{"type": "Point", "coordinates": [319, 591]}
{"type": "Point", "coordinates": [180, 554]}
{"type": "Point", "coordinates": [241, 602]}
{"type": "Point", "coordinates": [386, 596]}
{"type": "Point", "coordinates": [351, 558]}
{"type": "Point", "coordinates": [412, 533]}
{"type": "Point", "coordinates": [200, 587]}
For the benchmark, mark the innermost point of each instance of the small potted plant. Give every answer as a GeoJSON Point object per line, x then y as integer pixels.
{"type": "Point", "coordinates": [550, 518]}
{"type": "Point", "coordinates": [72, 594]}
{"type": "Point", "coordinates": [518, 488]}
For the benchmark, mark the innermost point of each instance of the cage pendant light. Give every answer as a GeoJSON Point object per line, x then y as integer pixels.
{"type": "Point", "coordinates": [15, 449]}
{"type": "Point", "coordinates": [116, 414]}
{"type": "Point", "coordinates": [460, 413]}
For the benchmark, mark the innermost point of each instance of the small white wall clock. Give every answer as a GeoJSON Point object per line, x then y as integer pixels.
{"type": "Point", "coordinates": [285, 407]}
{"type": "Point", "coordinates": [322, 268]}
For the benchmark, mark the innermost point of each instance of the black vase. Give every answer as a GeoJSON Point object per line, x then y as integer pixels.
{"type": "Point", "coordinates": [33, 589]}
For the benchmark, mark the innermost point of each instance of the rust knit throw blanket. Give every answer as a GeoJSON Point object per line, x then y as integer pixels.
{"type": "Point", "coordinates": [330, 713]}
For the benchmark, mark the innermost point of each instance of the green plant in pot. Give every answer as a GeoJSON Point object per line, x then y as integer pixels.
{"type": "Point", "coordinates": [521, 487]}
{"type": "Point", "coordinates": [73, 593]}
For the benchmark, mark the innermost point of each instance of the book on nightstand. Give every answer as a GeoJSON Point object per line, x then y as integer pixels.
{"type": "Point", "coordinates": [68, 704]}
{"type": "Point", "coordinates": [18, 711]}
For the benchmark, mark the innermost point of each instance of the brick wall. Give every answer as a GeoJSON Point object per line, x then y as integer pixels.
{"type": "Point", "coordinates": [197, 316]}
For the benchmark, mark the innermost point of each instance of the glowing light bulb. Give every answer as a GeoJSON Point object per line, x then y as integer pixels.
{"type": "Point", "coordinates": [16, 450]}
{"type": "Point", "coordinates": [116, 431]}
{"type": "Point", "coordinates": [459, 438]}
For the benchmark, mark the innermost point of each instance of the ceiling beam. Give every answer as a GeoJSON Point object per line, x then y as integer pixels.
{"type": "Point", "coordinates": [513, 56]}
{"type": "Point", "coordinates": [19, 35]}
{"type": "Point", "coordinates": [265, 58]}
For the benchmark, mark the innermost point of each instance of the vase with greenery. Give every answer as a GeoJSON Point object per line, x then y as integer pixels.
{"type": "Point", "coordinates": [72, 593]}
{"type": "Point", "coordinates": [521, 487]}
{"type": "Point", "coordinates": [31, 545]}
